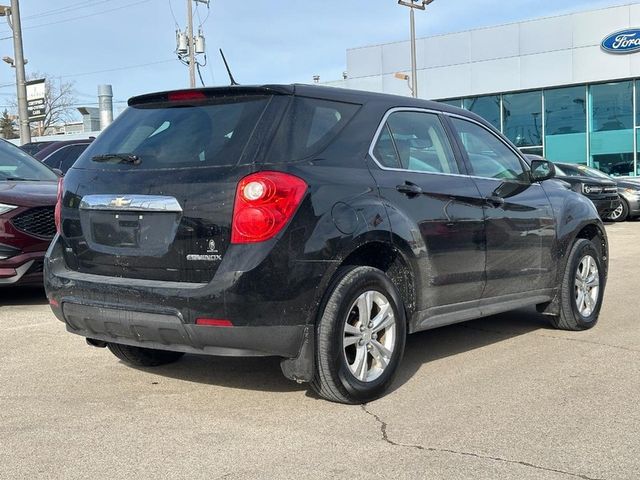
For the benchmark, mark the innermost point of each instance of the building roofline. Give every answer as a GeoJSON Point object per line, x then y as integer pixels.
{"type": "Point", "coordinates": [626, 3]}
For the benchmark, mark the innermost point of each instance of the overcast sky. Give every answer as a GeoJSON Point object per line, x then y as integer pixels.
{"type": "Point", "coordinates": [110, 41]}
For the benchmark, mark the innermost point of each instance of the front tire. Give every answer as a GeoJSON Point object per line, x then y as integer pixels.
{"type": "Point", "coordinates": [360, 337]}
{"type": "Point", "coordinates": [621, 213]}
{"type": "Point", "coordinates": [143, 357]}
{"type": "Point", "coordinates": [582, 288]}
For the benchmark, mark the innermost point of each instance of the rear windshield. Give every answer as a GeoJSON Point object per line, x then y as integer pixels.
{"type": "Point", "coordinates": [309, 127]}
{"type": "Point", "coordinates": [180, 135]}
{"type": "Point", "coordinates": [17, 165]}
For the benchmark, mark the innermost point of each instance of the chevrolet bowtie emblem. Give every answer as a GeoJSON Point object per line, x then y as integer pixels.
{"type": "Point", "coordinates": [120, 202]}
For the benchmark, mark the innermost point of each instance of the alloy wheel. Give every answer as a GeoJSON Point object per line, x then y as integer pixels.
{"type": "Point", "coordinates": [617, 213]}
{"type": "Point", "coordinates": [369, 336]}
{"type": "Point", "coordinates": [587, 286]}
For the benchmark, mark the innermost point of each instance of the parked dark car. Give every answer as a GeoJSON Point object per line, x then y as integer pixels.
{"type": "Point", "coordinates": [628, 190]}
{"type": "Point", "coordinates": [63, 154]}
{"type": "Point", "coordinates": [601, 190]}
{"type": "Point", "coordinates": [27, 201]}
{"type": "Point", "coordinates": [315, 224]}
{"type": "Point", "coordinates": [34, 147]}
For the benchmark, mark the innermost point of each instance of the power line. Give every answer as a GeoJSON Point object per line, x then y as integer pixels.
{"type": "Point", "coordinates": [127, 67]}
{"type": "Point", "coordinates": [173, 15]}
{"type": "Point", "coordinates": [68, 8]}
{"type": "Point", "coordinates": [83, 16]}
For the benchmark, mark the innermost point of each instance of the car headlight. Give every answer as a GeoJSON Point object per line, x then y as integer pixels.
{"type": "Point", "coordinates": [632, 191]}
{"type": "Point", "coordinates": [588, 189]}
{"type": "Point", "coordinates": [4, 208]}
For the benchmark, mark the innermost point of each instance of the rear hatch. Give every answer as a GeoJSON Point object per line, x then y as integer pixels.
{"type": "Point", "coordinates": [152, 197]}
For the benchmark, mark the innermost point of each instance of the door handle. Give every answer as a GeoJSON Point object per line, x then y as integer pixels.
{"type": "Point", "coordinates": [495, 201]}
{"type": "Point", "coordinates": [409, 189]}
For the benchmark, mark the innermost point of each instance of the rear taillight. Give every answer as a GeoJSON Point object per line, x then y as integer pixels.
{"type": "Point", "coordinates": [58, 210]}
{"type": "Point", "coordinates": [265, 202]}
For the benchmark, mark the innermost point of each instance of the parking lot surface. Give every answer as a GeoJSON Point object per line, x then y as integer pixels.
{"type": "Point", "coordinates": [502, 397]}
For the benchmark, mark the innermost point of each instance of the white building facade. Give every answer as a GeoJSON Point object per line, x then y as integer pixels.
{"type": "Point", "coordinates": [566, 87]}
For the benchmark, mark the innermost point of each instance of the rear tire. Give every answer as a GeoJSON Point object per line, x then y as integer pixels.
{"type": "Point", "coordinates": [582, 288]}
{"type": "Point", "coordinates": [360, 337]}
{"type": "Point", "coordinates": [143, 357]}
{"type": "Point", "coordinates": [621, 213]}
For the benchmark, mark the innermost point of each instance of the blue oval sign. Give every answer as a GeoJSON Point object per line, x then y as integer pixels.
{"type": "Point", "coordinates": [624, 41]}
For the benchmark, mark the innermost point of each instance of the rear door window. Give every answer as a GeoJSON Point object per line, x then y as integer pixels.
{"type": "Point", "coordinates": [166, 135]}
{"type": "Point", "coordinates": [415, 141]}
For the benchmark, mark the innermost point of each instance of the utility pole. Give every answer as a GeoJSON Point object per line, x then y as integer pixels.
{"type": "Point", "coordinates": [13, 18]}
{"type": "Point", "coordinates": [188, 45]}
{"type": "Point", "coordinates": [192, 56]}
{"type": "Point", "coordinates": [412, 4]}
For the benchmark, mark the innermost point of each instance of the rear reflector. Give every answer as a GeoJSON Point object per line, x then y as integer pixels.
{"type": "Point", "coordinates": [213, 322]}
{"type": "Point", "coordinates": [186, 95]}
{"type": "Point", "coordinates": [54, 303]}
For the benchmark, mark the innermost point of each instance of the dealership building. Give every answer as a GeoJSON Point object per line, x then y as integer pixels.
{"type": "Point", "coordinates": [566, 87]}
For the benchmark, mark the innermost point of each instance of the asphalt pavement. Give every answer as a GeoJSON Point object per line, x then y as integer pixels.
{"type": "Point", "coordinates": [505, 397]}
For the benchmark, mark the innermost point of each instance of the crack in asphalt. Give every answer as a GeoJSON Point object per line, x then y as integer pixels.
{"type": "Point", "coordinates": [385, 437]}
{"type": "Point", "coordinates": [577, 340]}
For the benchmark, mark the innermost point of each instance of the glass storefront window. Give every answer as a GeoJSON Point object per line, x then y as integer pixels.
{"type": "Point", "coordinates": [487, 107]}
{"type": "Point", "coordinates": [612, 130]}
{"type": "Point", "coordinates": [523, 118]}
{"type": "Point", "coordinates": [454, 102]}
{"type": "Point", "coordinates": [566, 124]}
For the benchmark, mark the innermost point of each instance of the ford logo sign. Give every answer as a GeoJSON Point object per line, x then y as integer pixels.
{"type": "Point", "coordinates": [625, 41]}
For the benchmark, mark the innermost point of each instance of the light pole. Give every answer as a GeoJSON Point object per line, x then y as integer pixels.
{"type": "Point", "coordinates": [420, 5]}
{"type": "Point", "coordinates": [13, 18]}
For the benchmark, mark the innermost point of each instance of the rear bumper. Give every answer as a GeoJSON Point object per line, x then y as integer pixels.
{"type": "Point", "coordinates": [166, 331]}
{"type": "Point", "coordinates": [269, 319]}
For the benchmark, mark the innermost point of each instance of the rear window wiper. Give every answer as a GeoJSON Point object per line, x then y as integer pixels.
{"type": "Point", "coordinates": [118, 157]}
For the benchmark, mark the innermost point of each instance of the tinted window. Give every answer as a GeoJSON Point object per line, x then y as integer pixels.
{"type": "Point", "coordinates": [489, 157]}
{"type": "Point", "coordinates": [166, 135]}
{"type": "Point", "coordinates": [385, 151]}
{"type": "Point", "coordinates": [582, 171]}
{"type": "Point", "coordinates": [16, 164]}
{"type": "Point", "coordinates": [487, 107]}
{"type": "Point", "coordinates": [56, 158]}
{"type": "Point", "coordinates": [74, 151]}
{"type": "Point", "coordinates": [419, 141]}
{"type": "Point", "coordinates": [310, 124]}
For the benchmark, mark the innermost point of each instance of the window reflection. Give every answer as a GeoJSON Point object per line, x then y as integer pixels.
{"type": "Point", "coordinates": [487, 107]}
{"type": "Point", "coordinates": [611, 138]}
{"type": "Point", "coordinates": [566, 124]}
{"type": "Point", "coordinates": [523, 118]}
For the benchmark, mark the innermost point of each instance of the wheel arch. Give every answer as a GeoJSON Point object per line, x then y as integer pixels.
{"type": "Point", "coordinates": [589, 231]}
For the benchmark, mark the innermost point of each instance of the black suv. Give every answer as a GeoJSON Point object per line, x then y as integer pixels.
{"type": "Point", "coordinates": [598, 187]}
{"type": "Point", "coordinates": [315, 224]}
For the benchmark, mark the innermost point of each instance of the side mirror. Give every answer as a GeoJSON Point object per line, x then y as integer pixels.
{"type": "Point", "coordinates": [542, 170]}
